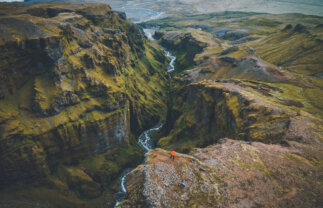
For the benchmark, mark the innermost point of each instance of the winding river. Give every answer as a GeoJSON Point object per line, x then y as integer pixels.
{"type": "Point", "coordinates": [144, 139]}
{"type": "Point", "coordinates": [149, 33]}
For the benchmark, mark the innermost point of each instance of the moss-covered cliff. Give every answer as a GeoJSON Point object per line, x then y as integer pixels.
{"type": "Point", "coordinates": [203, 112]}
{"type": "Point", "coordinates": [78, 84]}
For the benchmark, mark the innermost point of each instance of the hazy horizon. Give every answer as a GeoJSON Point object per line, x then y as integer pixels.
{"type": "Point", "coordinates": [311, 7]}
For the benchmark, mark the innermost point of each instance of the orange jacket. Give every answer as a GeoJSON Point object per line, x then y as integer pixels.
{"type": "Point", "coordinates": [173, 153]}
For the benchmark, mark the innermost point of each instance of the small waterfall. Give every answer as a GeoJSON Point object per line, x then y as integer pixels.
{"type": "Point", "coordinates": [149, 34]}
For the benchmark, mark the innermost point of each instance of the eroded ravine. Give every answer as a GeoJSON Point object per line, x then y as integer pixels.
{"type": "Point", "coordinates": [144, 139]}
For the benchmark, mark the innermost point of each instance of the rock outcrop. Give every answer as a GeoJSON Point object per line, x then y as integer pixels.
{"type": "Point", "coordinates": [229, 174]}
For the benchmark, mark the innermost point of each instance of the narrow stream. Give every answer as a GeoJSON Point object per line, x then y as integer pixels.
{"type": "Point", "coordinates": [171, 66]}
{"type": "Point", "coordinates": [144, 139]}
{"type": "Point", "coordinates": [122, 189]}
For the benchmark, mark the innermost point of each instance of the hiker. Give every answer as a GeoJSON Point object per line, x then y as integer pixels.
{"type": "Point", "coordinates": [172, 154]}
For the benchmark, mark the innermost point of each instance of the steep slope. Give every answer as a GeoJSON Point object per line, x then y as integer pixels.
{"type": "Point", "coordinates": [203, 112]}
{"type": "Point", "coordinates": [185, 46]}
{"type": "Point", "coordinates": [77, 84]}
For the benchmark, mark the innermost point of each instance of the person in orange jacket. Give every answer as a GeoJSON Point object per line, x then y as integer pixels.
{"type": "Point", "coordinates": [172, 154]}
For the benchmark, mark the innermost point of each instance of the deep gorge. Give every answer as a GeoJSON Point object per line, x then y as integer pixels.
{"type": "Point", "coordinates": [81, 86]}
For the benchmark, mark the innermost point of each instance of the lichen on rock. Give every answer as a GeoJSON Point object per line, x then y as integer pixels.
{"type": "Point", "coordinates": [229, 174]}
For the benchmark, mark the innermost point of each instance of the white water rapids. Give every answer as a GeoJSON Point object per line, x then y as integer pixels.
{"type": "Point", "coordinates": [144, 140]}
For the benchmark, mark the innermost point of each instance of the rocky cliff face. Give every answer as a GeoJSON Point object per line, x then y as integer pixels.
{"type": "Point", "coordinates": [204, 112]}
{"type": "Point", "coordinates": [77, 83]}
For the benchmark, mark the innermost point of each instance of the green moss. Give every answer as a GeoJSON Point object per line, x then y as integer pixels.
{"type": "Point", "coordinates": [262, 22]}
{"type": "Point", "coordinates": [315, 97]}
{"type": "Point", "coordinates": [183, 21]}
{"type": "Point", "coordinates": [163, 142]}
{"type": "Point", "coordinates": [106, 168]}
{"type": "Point", "coordinates": [184, 47]}
{"type": "Point", "coordinates": [235, 107]}
{"type": "Point", "coordinates": [95, 163]}
{"type": "Point", "coordinates": [302, 160]}
{"type": "Point", "coordinates": [256, 162]}
{"type": "Point", "coordinates": [38, 197]}
{"type": "Point", "coordinates": [79, 181]}
{"type": "Point", "coordinates": [303, 57]}
{"type": "Point", "coordinates": [307, 96]}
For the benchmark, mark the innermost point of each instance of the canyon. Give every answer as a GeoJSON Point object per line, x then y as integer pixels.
{"type": "Point", "coordinates": [89, 101]}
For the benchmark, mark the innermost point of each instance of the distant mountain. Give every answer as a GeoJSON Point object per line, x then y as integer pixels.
{"type": "Point", "coordinates": [312, 7]}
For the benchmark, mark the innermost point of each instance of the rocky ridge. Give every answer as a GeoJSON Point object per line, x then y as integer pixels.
{"type": "Point", "coordinates": [78, 84]}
